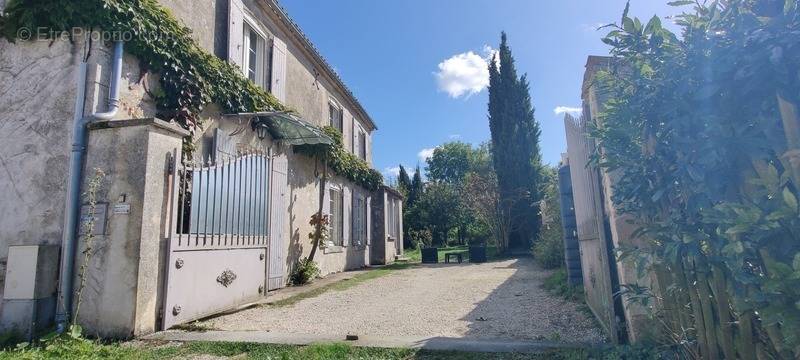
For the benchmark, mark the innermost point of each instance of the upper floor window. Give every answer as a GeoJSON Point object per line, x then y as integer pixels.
{"type": "Point", "coordinates": [362, 145]}
{"type": "Point", "coordinates": [256, 57]}
{"type": "Point", "coordinates": [336, 116]}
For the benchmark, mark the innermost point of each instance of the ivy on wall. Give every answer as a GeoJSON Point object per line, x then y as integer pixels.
{"type": "Point", "coordinates": [190, 77]}
{"type": "Point", "coordinates": [343, 162]}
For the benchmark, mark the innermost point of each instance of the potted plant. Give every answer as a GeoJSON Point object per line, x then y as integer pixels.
{"type": "Point", "coordinates": [477, 251]}
{"type": "Point", "coordinates": [424, 239]}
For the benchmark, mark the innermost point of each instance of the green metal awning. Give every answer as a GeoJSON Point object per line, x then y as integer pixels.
{"type": "Point", "coordinates": [287, 127]}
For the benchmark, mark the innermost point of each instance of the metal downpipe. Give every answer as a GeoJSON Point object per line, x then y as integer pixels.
{"type": "Point", "coordinates": [72, 208]}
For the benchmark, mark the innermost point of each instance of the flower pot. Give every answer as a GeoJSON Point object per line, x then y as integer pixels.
{"type": "Point", "coordinates": [430, 255]}
{"type": "Point", "coordinates": [477, 254]}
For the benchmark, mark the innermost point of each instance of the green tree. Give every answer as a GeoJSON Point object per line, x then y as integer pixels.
{"type": "Point", "coordinates": [450, 162]}
{"type": "Point", "coordinates": [417, 188]}
{"type": "Point", "coordinates": [437, 210]}
{"type": "Point", "coordinates": [403, 181]}
{"type": "Point", "coordinates": [515, 144]}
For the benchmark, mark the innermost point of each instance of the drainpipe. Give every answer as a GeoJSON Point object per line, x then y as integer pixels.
{"type": "Point", "coordinates": [73, 203]}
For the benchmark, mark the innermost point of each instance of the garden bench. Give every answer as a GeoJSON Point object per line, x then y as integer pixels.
{"type": "Point", "coordinates": [458, 255]}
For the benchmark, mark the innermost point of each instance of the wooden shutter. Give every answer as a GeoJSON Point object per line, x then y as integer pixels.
{"type": "Point", "coordinates": [368, 219]}
{"type": "Point", "coordinates": [224, 146]}
{"type": "Point", "coordinates": [235, 32]}
{"type": "Point", "coordinates": [278, 87]}
{"type": "Point", "coordinates": [347, 236]}
{"type": "Point", "coordinates": [278, 215]}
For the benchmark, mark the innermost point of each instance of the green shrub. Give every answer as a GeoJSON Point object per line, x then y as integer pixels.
{"type": "Point", "coordinates": [548, 250]}
{"type": "Point", "coordinates": [304, 272]}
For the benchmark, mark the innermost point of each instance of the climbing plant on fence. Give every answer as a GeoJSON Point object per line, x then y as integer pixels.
{"type": "Point", "coordinates": [693, 126]}
{"type": "Point", "coordinates": [190, 77]}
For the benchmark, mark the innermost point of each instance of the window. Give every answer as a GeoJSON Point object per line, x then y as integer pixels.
{"type": "Point", "coordinates": [337, 218]}
{"type": "Point", "coordinates": [362, 145]}
{"type": "Point", "coordinates": [336, 117]}
{"type": "Point", "coordinates": [255, 60]}
{"type": "Point", "coordinates": [359, 220]}
{"type": "Point", "coordinates": [392, 212]}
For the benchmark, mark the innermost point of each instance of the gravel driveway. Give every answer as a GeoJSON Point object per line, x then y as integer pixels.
{"type": "Point", "coordinates": [496, 300]}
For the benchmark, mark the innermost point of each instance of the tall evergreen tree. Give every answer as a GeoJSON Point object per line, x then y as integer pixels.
{"type": "Point", "coordinates": [515, 145]}
{"type": "Point", "coordinates": [416, 188]}
{"type": "Point", "coordinates": [403, 182]}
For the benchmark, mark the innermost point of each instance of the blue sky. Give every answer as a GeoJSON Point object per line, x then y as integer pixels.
{"type": "Point", "coordinates": [409, 62]}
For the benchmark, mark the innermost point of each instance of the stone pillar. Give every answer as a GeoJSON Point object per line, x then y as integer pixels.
{"type": "Point", "coordinates": [124, 278]}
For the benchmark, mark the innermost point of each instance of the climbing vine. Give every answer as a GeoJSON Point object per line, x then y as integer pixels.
{"type": "Point", "coordinates": [692, 127]}
{"type": "Point", "coordinates": [190, 77]}
{"type": "Point", "coordinates": [343, 162]}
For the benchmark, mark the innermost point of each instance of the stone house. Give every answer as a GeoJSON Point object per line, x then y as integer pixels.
{"type": "Point", "coordinates": [157, 261]}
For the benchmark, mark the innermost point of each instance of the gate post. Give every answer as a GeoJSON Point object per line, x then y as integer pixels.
{"type": "Point", "coordinates": [124, 277]}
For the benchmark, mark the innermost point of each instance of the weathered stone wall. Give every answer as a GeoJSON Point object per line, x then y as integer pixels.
{"type": "Point", "coordinates": [37, 97]}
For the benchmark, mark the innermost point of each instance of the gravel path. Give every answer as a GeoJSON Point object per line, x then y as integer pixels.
{"type": "Point", "coordinates": [496, 300]}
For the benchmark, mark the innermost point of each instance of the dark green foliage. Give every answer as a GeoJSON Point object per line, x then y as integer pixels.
{"type": "Point", "coordinates": [417, 188]}
{"type": "Point", "coordinates": [304, 272]}
{"type": "Point", "coordinates": [548, 250]}
{"type": "Point", "coordinates": [515, 143]}
{"type": "Point", "coordinates": [342, 162]}
{"type": "Point", "coordinates": [693, 128]}
{"type": "Point", "coordinates": [403, 182]}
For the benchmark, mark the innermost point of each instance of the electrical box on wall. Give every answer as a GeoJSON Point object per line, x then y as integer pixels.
{"type": "Point", "coordinates": [29, 295]}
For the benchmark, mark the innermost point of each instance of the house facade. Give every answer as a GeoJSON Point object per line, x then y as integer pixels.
{"type": "Point", "coordinates": [224, 223]}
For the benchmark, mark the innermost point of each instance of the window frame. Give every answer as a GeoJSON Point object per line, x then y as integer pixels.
{"type": "Point", "coordinates": [339, 125]}
{"type": "Point", "coordinates": [358, 223]}
{"type": "Point", "coordinates": [337, 222]}
{"type": "Point", "coordinates": [263, 55]}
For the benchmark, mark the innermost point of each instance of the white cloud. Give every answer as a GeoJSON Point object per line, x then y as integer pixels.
{"type": "Point", "coordinates": [425, 154]}
{"type": "Point", "coordinates": [561, 110]}
{"type": "Point", "coordinates": [454, 136]}
{"type": "Point", "coordinates": [392, 171]}
{"type": "Point", "coordinates": [464, 74]}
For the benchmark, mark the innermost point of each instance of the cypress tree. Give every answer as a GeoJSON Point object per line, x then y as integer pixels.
{"type": "Point", "coordinates": [515, 144]}
{"type": "Point", "coordinates": [403, 182]}
{"type": "Point", "coordinates": [416, 188]}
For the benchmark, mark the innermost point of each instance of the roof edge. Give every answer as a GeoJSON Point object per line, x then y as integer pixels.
{"type": "Point", "coordinates": [317, 57]}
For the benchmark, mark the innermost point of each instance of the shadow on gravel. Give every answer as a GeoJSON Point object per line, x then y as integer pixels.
{"type": "Point", "coordinates": [520, 310]}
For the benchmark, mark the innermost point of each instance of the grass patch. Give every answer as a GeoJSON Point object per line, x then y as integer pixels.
{"type": "Point", "coordinates": [86, 349]}
{"type": "Point", "coordinates": [557, 284]}
{"type": "Point", "coordinates": [415, 254]}
{"type": "Point", "coordinates": [340, 285]}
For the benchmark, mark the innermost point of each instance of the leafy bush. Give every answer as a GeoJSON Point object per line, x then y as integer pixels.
{"type": "Point", "coordinates": [421, 238]}
{"type": "Point", "coordinates": [304, 272]}
{"type": "Point", "coordinates": [548, 249]}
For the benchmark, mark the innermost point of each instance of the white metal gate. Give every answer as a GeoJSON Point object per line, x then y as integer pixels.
{"type": "Point", "coordinates": [218, 246]}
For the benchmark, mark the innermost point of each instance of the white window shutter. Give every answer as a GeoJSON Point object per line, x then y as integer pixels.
{"type": "Point", "coordinates": [368, 220]}
{"type": "Point", "coordinates": [235, 32]}
{"type": "Point", "coordinates": [279, 69]}
{"type": "Point", "coordinates": [346, 233]}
